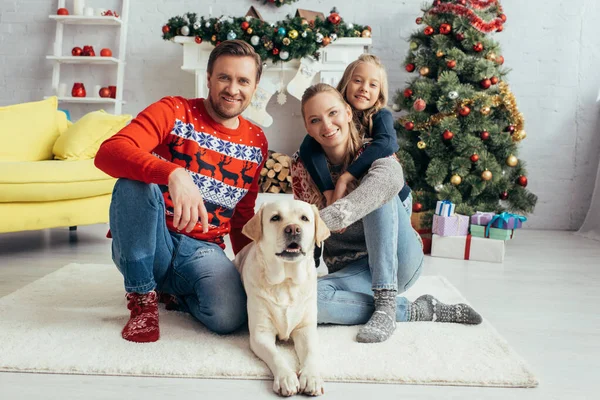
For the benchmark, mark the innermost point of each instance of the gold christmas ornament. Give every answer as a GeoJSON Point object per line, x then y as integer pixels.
{"type": "Point", "coordinates": [366, 33]}
{"type": "Point", "coordinates": [356, 33]}
{"type": "Point", "coordinates": [424, 71]}
{"type": "Point", "coordinates": [512, 161]}
{"type": "Point", "coordinates": [214, 38]}
{"type": "Point", "coordinates": [421, 145]}
{"type": "Point", "coordinates": [440, 54]}
{"type": "Point", "coordinates": [491, 56]}
{"type": "Point", "coordinates": [486, 175]}
{"type": "Point", "coordinates": [414, 45]}
{"type": "Point", "coordinates": [456, 180]}
{"type": "Point", "coordinates": [485, 110]}
{"type": "Point", "coordinates": [293, 34]}
{"type": "Point", "coordinates": [249, 31]}
{"type": "Point", "coordinates": [286, 41]}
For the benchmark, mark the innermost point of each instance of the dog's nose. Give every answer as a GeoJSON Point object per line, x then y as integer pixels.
{"type": "Point", "coordinates": [293, 229]}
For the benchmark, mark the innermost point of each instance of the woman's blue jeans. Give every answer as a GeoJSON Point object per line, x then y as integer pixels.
{"type": "Point", "coordinates": [151, 257]}
{"type": "Point", "coordinates": [394, 261]}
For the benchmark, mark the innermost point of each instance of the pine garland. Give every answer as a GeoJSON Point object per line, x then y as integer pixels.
{"type": "Point", "coordinates": [289, 39]}
{"type": "Point", "coordinates": [278, 3]}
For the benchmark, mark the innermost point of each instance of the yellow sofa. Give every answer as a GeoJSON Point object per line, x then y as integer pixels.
{"type": "Point", "coordinates": [47, 173]}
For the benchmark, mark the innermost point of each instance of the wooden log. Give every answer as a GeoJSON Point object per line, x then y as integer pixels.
{"type": "Point", "coordinates": [271, 173]}
{"type": "Point", "coordinates": [283, 174]}
{"type": "Point", "coordinates": [274, 189]}
{"type": "Point", "coordinates": [270, 162]}
{"type": "Point", "coordinates": [277, 167]}
{"type": "Point", "coordinates": [263, 172]}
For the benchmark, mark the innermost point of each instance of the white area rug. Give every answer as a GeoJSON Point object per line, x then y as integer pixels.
{"type": "Point", "coordinates": [70, 322]}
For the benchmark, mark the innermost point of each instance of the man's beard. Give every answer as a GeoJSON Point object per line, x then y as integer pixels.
{"type": "Point", "coordinates": [222, 113]}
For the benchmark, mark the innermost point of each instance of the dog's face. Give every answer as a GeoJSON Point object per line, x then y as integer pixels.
{"type": "Point", "coordinates": [286, 230]}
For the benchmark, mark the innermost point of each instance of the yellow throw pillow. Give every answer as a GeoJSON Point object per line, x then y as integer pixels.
{"type": "Point", "coordinates": [82, 140]}
{"type": "Point", "coordinates": [28, 130]}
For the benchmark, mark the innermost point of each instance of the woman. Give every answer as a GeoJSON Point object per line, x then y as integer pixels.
{"type": "Point", "coordinates": [373, 253]}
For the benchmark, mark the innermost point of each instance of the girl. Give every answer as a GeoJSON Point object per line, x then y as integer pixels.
{"type": "Point", "coordinates": [364, 86]}
{"type": "Point", "coordinates": [375, 253]}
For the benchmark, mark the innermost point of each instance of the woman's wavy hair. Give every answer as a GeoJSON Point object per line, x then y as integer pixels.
{"type": "Point", "coordinates": [363, 119]}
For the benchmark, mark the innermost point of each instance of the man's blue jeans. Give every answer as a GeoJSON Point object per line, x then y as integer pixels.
{"type": "Point", "coordinates": [151, 257]}
{"type": "Point", "coordinates": [394, 261]}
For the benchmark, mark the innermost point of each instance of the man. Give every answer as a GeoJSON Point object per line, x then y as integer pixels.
{"type": "Point", "coordinates": [189, 171]}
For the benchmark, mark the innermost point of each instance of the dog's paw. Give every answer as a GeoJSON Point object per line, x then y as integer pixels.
{"type": "Point", "coordinates": [286, 383]}
{"type": "Point", "coordinates": [311, 383]}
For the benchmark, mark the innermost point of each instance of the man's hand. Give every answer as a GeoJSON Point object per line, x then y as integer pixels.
{"type": "Point", "coordinates": [341, 186]}
{"type": "Point", "coordinates": [187, 202]}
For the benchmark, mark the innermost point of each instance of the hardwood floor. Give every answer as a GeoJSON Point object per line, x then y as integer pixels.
{"type": "Point", "coordinates": [544, 300]}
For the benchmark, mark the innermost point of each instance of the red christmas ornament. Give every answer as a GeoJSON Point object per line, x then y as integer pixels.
{"type": "Point", "coordinates": [464, 111]}
{"type": "Point", "coordinates": [494, 80]}
{"type": "Point", "coordinates": [486, 83]}
{"type": "Point", "coordinates": [485, 135]}
{"type": "Point", "coordinates": [500, 60]}
{"type": "Point", "coordinates": [408, 93]}
{"type": "Point", "coordinates": [165, 29]}
{"type": "Point", "coordinates": [447, 135]}
{"type": "Point", "coordinates": [478, 47]}
{"type": "Point", "coordinates": [245, 25]}
{"type": "Point", "coordinates": [460, 36]}
{"type": "Point", "coordinates": [462, 2]}
{"type": "Point", "coordinates": [510, 129]}
{"type": "Point", "coordinates": [429, 30]}
{"type": "Point", "coordinates": [419, 21]}
{"type": "Point", "coordinates": [503, 195]}
{"type": "Point", "coordinates": [445, 29]}
{"type": "Point", "coordinates": [409, 126]}
{"type": "Point", "coordinates": [275, 51]}
{"type": "Point", "coordinates": [88, 51]}
{"type": "Point", "coordinates": [106, 52]}
{"type": "Point", "coordinates": [436, 3]}
{"type": "Point", "coordinates": [76, 51]}
{"type": "Point", "coordinates": [474, 157]}
{"type": "Point", "coordinates": [410, 67]}
{"type": "Point", "coordinates": [62, 11]}
{"type": "Point", "coordinates": [104, 92]}
{"type": "Point", "coordinates": [417, 207]}
{"type": "Point", "coordinates": [78, 90]}
{"type": "Point", "coordinates": [451, 64]}
{"type": "Point", "coordinates": [419, 105]}
{"type": "Point", "coordinates": [198, 39]}
{"type": "Point", "coordinates": [522, 180]}
{"type": "Point", "coordinates": [502, 17]}
{"type": "Point", "coordinates": [500, 28]}
{"type": "Point", "coordinates": [334, 18]}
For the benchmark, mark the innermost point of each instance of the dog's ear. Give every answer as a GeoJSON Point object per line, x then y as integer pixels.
{"type": "Point", "coordinates": [253, 228]}
{"type": "Point", "coordinates": [321, 230]}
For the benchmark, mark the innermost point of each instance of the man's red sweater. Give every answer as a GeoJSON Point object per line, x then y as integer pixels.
{"type": "Point", "coordinates": [224, 163]}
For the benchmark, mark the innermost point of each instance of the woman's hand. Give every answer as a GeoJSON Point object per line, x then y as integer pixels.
{"type": "Point", "coordinates": [341, 187]}
{"type": "Point", "coordinates": [188, 203]}
{"type": "Point", "coordinates": [328, 197]}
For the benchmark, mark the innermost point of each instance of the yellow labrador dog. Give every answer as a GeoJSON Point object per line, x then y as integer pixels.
{"type": "Point", "coordinates": [280, 278]}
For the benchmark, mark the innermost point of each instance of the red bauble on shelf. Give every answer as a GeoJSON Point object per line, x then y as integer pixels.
{"type": "Point", "coordinates": [62, 11]}
{"type": "Point", "coordinates": [417, 207]}
{"type": "Point", "coordinates": [106, 52]}
{"type": "Point", "coordinates": [76, 52]}
{"type": "Point", "coordinates": [78, 90]}
{"type": "Point", "coordinates": [410, 67]}
{"type": "Point", "coordinates": [88, 51]}
{"type": "Point", "coordinates": [522, 181]}
{"type": "Point", "coordinates": [245, 25]}
{"type": "Point", "coordinates": [334, 18]}
{"type": "Point", "coordinates": [198, 39]}
{"type": "Point", "coordinates": [165, 29]}
{"type": "Point", "coordinates": [447, 135]}
{"type": "Point", "coordinates": [104, 92]}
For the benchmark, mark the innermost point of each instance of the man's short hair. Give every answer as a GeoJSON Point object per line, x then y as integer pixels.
{"type": "Point", "coordinates": [237, 48]}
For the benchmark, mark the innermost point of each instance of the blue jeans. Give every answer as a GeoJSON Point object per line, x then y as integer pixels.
{"type": "Point", "coordinates": [151, 257]}
{"type": "Point", "coordinates": [394, 261]}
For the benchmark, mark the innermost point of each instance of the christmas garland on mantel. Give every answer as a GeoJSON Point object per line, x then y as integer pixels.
{"type": "Point", "coordinates": [278, 3]}
{"type": "Point", "coordinates": [292, 38]}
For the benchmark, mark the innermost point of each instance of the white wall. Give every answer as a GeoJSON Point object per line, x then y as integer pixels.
{"type": "Point", "coordinates": [552, 47]}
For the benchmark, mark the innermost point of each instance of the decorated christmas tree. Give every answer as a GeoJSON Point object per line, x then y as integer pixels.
{"type": "Point", "coordinates": [460, 134]}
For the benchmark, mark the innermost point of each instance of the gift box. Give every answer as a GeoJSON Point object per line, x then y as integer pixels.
{"type": "Point", "coordinates": [467, 248]}
{"type": "Point", "coordinates": [456, 225]}
{"type": "Point", "coordinates": [508, 221]}
{"type": "Point", "coordinates": [421, 221]}
{"type": "Point", "coordinates": [492, 233]}
{"type": "Point", "coordinates": [444, 208]}
{"type": "Point", "coordinates": [425, 235]}
{"type": "Point", "coordinates": [482, 218]}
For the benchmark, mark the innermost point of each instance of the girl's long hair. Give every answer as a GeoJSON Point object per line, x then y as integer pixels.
{"type": "Point", "coordinates": [363, 119]}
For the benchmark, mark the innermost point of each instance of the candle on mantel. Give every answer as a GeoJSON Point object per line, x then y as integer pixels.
{"type": "Point", "coordinates": [78, 6]}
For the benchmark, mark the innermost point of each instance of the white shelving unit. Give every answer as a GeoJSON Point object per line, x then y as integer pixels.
{"type": "Point", "coordinates": [119, 61]}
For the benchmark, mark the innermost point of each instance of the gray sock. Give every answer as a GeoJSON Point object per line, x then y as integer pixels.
{"type": "Point", "coordinates": [428, 308]}
{"type": "Point", "coordinates": [383, 321]}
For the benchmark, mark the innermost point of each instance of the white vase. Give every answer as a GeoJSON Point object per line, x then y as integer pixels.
{"type": "Point", "coordinates": [78, 6]}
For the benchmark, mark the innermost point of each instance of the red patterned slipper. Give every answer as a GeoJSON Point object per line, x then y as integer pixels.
{"type": "Point", "coordinates": [142, 326]}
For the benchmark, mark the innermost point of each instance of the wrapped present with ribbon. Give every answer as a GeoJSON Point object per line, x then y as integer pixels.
{"type": "Point", "coordinates": [492, 233]}
{"type": "Point", "coordinates": [445, 208]}
{"type": "Point", "coordinates": [467, 248]}
{"type": "Point", "coordinates": [456, 225]}
{"type": "Point", "coordinates": [482, 218]}
{"type": "Point", "coordinates": [507, 221]}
